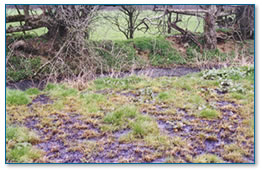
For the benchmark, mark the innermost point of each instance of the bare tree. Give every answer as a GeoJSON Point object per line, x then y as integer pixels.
{"type": "Point", "coordinates": [209, 14]}
{"type": "Point", "coordinates": [67, 49]}
{"type": "Point", "coordinates": [128, 21]}
{"type": "Point", "coordinates": [58, 19]}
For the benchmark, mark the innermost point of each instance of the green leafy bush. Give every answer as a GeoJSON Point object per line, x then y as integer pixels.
{"type": "Point", "coordinates": [228, 73]}
{"type": "Point", "coordinates": [227, 78]}
{"type": "Point", "coordinates": [19, 68]}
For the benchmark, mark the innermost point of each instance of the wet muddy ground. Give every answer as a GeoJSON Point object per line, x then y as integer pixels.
{"type": "Point", "coordinates": [71, 137]}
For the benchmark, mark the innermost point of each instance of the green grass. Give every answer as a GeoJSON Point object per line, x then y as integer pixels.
{"type": "Point", "coordinates": [92, 102]}
{"type": "Point", "coordinates": [144, 126]}
{"type": "Point", "coordinates": [20, 134]}
{"type": "Point", "coordinates": [20, 145]}
{"type": "Point", "coordinates": [104, 30]}
{"type": "Point", "coordinates": [209, 113]}
{"type": "Point", "coordinates": [32, 91]}
{"type": "Point", "coordinates": [17, 97]}
{"type": "Point", "coordinates": [121, 115]}
{"type": "Point", "coordinates": [163, 96]}
{"type": "Point", "coordinates": [92, 97]}
{"type": "Point", "coordinates": [160, 50]}
{"type": "Point", "coordinates": [60, 90]}
{"type": "Point", "coordinates": [23, 153]}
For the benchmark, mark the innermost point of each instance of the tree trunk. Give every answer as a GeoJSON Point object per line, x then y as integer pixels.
{"type": "Point", "coordinates": [245, 21]}
{"type": "Point", "coordinates": [131, 25]}
{"type": "Point", "coordinates": [169, 21]}
{"type": "Point", "coordinates": [210, 28]}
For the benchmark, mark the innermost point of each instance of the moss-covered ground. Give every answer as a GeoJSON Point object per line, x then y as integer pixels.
{"type": "Point", "coordinates": [205, 117]}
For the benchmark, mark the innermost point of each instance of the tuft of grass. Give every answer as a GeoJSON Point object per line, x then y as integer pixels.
{"type": "Point", "coordinates": [20, 134]}
{"type": "Point", "coordinates": [139, 129]}
{"type": "Point", "coordinates": [120, 116]}
{"type": "Point", "coordinates": [209, 113]}
{"type": "Point", "coordinates": [207, 158]}
{"type": "Point", "coordinates": [50, 86]}
{"type": "Point", "coordinates": [60, 90]}
{"type": "Point", "coordinates": [32, 91]}
{"type": "Point", "coordinates": [144, 126]}
{"type": "Point", "coordinates": [23, 153]}
{"type": "Point", "coordinates": [163, 96]}
{"type": "Point", "coordinates": [20, 147]}
{"type": "Point", "coordinates": [16, 97]}
{"type": "Point", "coordinates": [92, 97]}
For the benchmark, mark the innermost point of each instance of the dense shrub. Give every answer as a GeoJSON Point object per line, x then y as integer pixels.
{"type": "Point", "coordinates": [19, 68]}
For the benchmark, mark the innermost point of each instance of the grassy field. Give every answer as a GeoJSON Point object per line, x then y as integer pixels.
{"type": "Point", "coordinates": [205, 117]}
{"type": "Point", "coordinates": [104, 30]}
